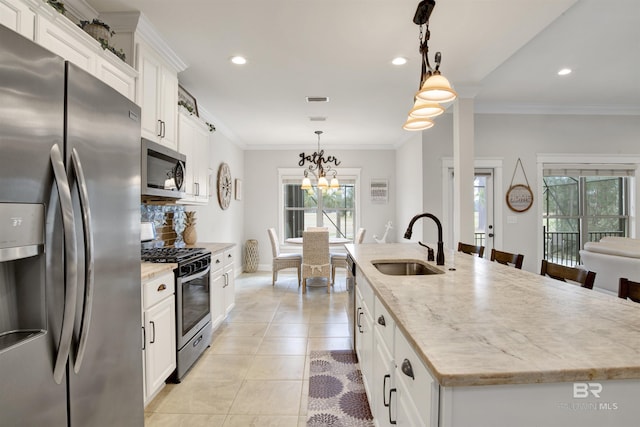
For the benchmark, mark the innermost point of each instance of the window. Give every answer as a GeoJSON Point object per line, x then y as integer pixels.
{"type": "Point", "coordinates": [335, 209]}
{"type": "Point", "coordinates": [583, 205]}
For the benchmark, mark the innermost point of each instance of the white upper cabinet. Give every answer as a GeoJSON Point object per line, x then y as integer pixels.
{"type": "Point", "coordinates": [15, 14]}
{"type": "Point", "coordinates": [62, 41]}
{"type": "Point", "coordinates": [193, 142]}
{"type": "Point", "coordinates": [158, 97]}
{"type": "Point", "coordinates": [38, 21]}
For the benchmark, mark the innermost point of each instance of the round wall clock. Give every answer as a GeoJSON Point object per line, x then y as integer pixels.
{"type": "Point", "coordinates": [224, 186]}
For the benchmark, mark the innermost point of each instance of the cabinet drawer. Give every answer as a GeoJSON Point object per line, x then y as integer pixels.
{"type": "Point", "coordinates": [365, 291]}
{"type": "Point", "coordinates": [155, 290]}
{"type": "Point", "coordinates": [228, 258]}
{"type": "Point", "coordinates": [383, 323]}
{"type": "Point", "coordinates": [217, 261]}
{"type": "Point", "coordinates": [421, 389]}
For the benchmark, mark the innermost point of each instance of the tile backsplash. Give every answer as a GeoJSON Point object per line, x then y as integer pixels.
{"type": "Point", "coordinates": [169, 222]}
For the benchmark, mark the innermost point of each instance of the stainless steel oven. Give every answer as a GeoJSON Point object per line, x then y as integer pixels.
{"type": "Point", "coordinates": [193, 314]}
{"type": "Point", "coordinates": [193, 293]}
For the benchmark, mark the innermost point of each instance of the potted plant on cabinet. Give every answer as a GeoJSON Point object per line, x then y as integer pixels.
{"type": "Point", "coordinates": [102, 33]}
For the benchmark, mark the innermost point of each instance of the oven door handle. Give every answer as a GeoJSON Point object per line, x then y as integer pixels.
{"type": "Point", "coordinates": [196, 276]}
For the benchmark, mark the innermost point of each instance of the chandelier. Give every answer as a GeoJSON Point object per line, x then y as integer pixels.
{"type": "Point", "coordinates": [319, 167]}
{"type": "Point", "coordinates": [434, 88]}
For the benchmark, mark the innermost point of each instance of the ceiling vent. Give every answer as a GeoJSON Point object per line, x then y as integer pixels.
{"type": "Point", "coordinates": [318, 119]}
{"type": "Point", "coordinates": [317, 99]}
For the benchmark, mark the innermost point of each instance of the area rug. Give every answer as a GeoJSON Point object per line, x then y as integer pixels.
{"type": "Point", "coordinates": [336, 392]}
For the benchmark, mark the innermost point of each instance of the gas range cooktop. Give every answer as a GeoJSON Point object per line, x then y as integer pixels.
{"type": "Point", "coordinates": [176, 255]}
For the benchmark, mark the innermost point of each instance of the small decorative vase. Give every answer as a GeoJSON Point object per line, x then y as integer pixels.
{"type": "Point", "coordinates": [251, 256]}
{"type": "Point", "coordinates": [189, 235]}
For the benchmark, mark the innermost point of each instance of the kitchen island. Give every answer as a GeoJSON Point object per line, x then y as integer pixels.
{"type": "Point", "coordinates": [500, 346]}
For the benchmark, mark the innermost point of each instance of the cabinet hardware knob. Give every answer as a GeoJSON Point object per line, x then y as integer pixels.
{"type": "Point", "coordinates": [162, 287]}
{"type": "Point", "coordinates": [381, 321]}
{"type": "Point", "coordinates": [407, 369]}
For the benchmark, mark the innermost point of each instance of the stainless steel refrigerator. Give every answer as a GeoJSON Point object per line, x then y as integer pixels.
{"type": "Point", "coordinates": [70, 340]}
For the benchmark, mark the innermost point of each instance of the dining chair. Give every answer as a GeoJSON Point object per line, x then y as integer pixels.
{"type": "Point", "coordinates": [629, 289]}
{"type": "Point", "coordinates": [507, 258]}
{"type": "Point", "coordinates": [340, 260]}
{"type": "Point", "coordinates": [471, 249]}
{"type": "Point", "coordinates": [315, 257]}
{"type": "Point", "coordinates": [586, 278]}
{"type": "Point", "coordinates": [282, 261]}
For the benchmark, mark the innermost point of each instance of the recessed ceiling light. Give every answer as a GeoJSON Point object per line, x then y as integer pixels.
{"type": "Point", "coordinates": [239, 60]}
{"type": "Point", "coordinates": [399, 61]}
{"type": "Point", "coordinates": [564, 71]}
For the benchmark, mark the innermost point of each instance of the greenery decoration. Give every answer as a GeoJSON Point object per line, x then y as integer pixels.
{"type": "Point", "coordinates": [188, 107]}
{"type": "Point", "coordinates": [212, 128]}
{"type": "Point", "coordinates": [103, 42]}
{"type": "Point", "coordinates": [57, 6]}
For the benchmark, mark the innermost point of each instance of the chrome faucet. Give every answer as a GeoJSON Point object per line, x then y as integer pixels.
{"type": "Point", "coordinates": [407, 235]}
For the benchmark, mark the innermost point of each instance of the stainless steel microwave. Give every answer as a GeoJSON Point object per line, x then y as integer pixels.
{"type": "Point", "coordinates": [162, 170]}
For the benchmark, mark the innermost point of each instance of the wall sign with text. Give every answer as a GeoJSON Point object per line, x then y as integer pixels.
{"type": "Point", "coordinates": [519, 196]}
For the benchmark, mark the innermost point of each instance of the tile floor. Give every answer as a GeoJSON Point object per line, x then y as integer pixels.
{"type": "Point", "coordinates": [256, 371]}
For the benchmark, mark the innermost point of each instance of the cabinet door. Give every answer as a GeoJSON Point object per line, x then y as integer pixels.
{"type": "Point", "coordinates": [63, 43]}
{"type": "Point", "coordinates": [160, 353]}
{"type": "Point", "coordinates": [230, 285]}
{"type": "Point", "coordinates": [218, 309]}
{"type": "Point", "coordinates": [149, 69]}
{"type": "Point", "coordinates": [120, 81]}
{"type": "Point", "coordinates": [186, 146]}
{"type": "Point", "coordinates": [168, 108]}
{"type": "Point", "coordinates": [383, 382]}
{"type": "Point", "coordinates": [202, 177]}
{"type": "Point", "coordinates": [193, 142]}
{"type": "Point", "coordinates": [418, 392]}
{"type": "Point", "coordinates": [15, 14]}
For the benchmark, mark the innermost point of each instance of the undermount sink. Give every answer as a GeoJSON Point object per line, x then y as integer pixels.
{"type": "Point", "coordinates": [405, 268]}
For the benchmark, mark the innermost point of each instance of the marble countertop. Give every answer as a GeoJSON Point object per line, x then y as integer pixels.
{"type": "Point", "coordinates": [149, 270]}
{"type": "Point", "coordinates": [485, 323]}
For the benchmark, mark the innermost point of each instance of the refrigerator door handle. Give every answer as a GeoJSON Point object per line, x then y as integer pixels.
{"type": "Point", "coordinates": [89, 259]}
{"type": "Point", "coordinates": [71, 261]}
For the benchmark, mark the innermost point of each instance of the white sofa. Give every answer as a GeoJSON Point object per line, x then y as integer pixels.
{"type": "Point", "coordinates": [612, 258]}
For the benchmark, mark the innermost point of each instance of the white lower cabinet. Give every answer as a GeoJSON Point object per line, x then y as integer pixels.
{"type": "Point", "coordinates": [217, 290]}
{"type": "Point", "coordinates": [229, 285]}
{"type": "Point", "coordinates": [417, 393]}
{"type": "Point", "coordinates": [364, 332]}
{"type": "Point", "coordinates": [159, 331]}
{"type": "Point", "coordinates": [223, 288]}
{"type": "Point", "coordinates": [400, 389]}
{"type": "Point", "coordinates": [383, 366]}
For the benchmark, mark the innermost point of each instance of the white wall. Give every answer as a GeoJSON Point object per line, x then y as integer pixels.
{"type": "Point", "coordinates": [213, 223]}
{"type": "Point", "coordinates": [261, 189]}
{"type": "Point", "coordinates": [525, 136]}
